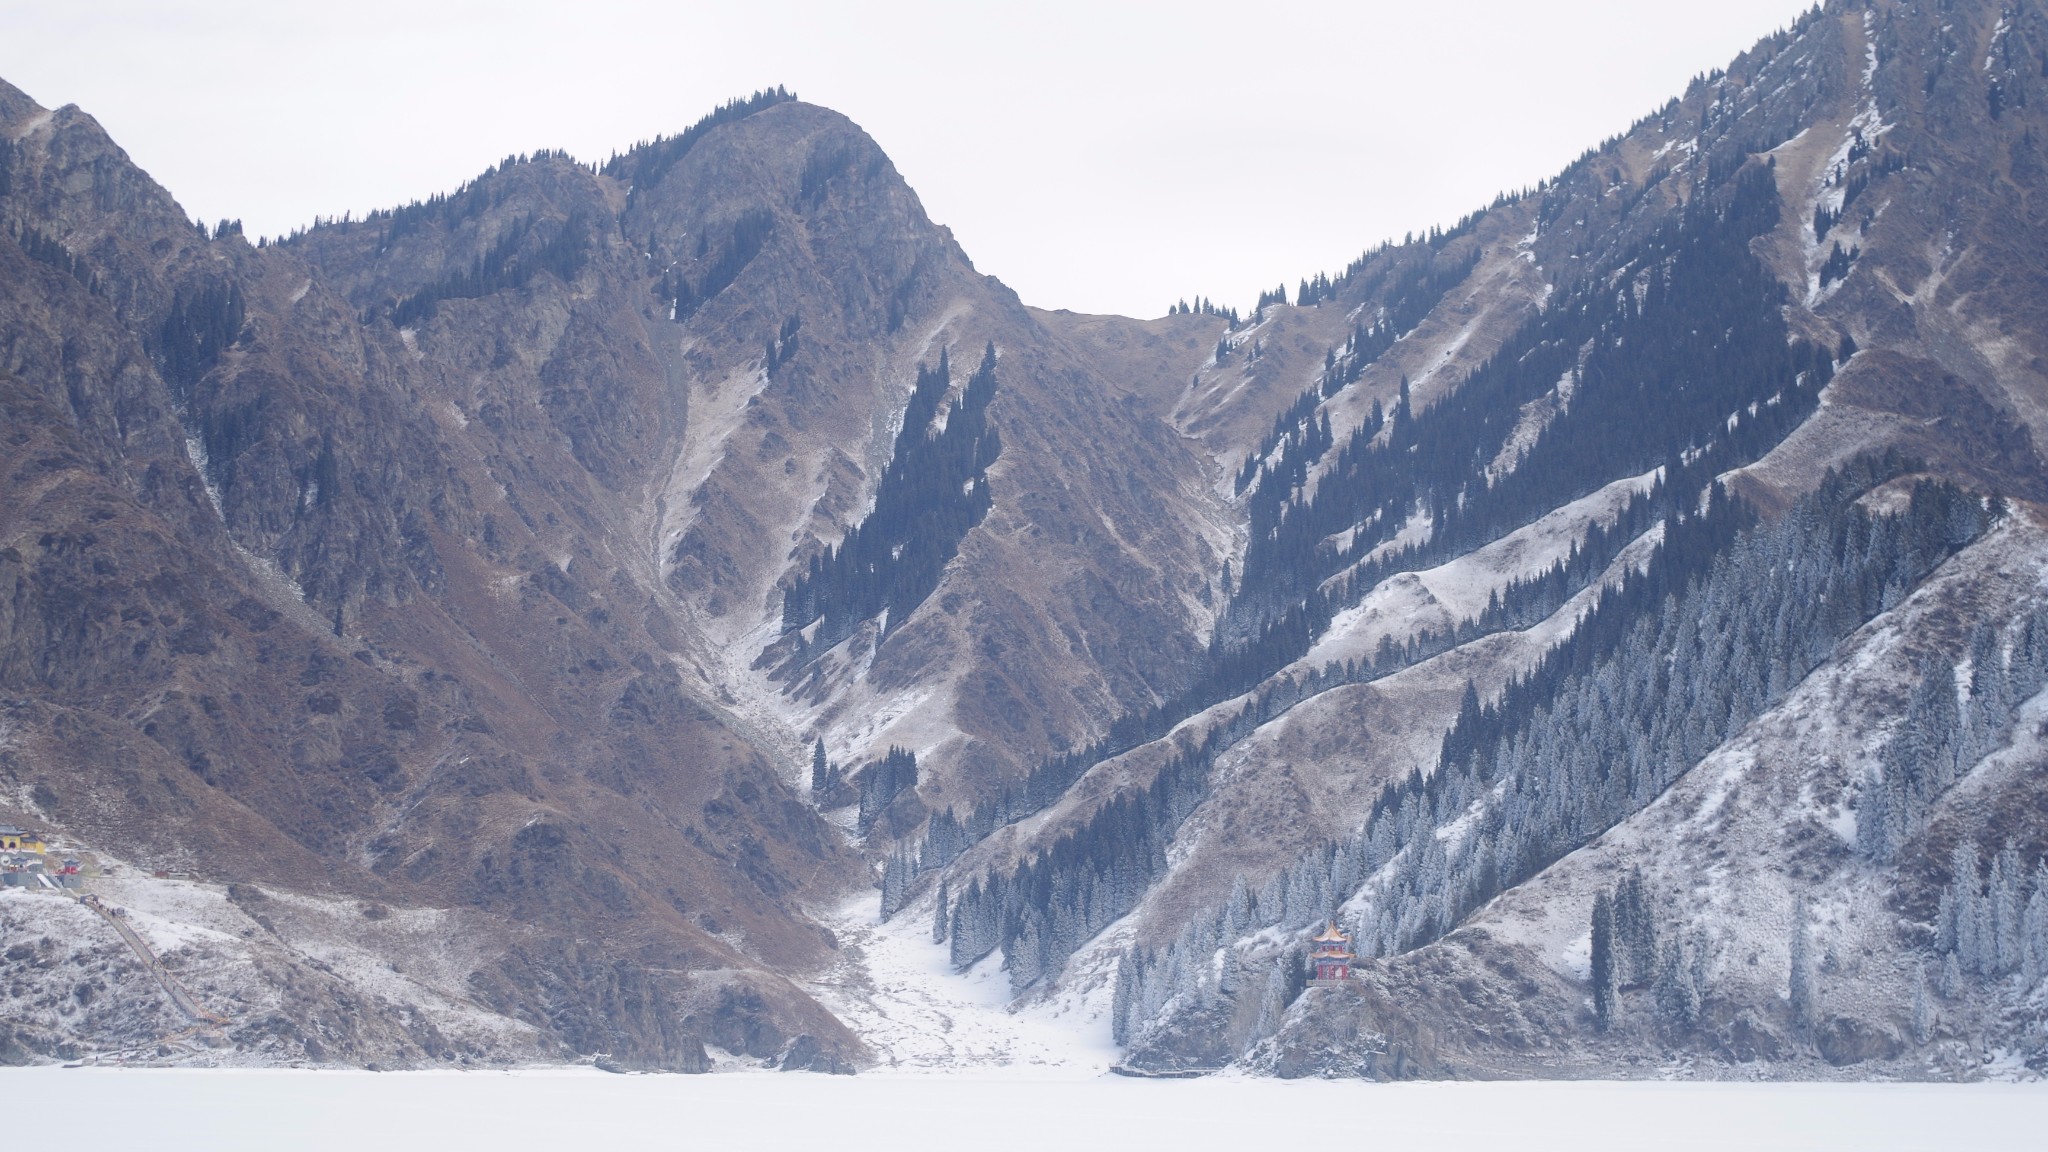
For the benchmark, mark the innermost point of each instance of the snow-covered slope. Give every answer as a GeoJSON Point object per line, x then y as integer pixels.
{"type": "Point", "coordinates": [1845, 116]}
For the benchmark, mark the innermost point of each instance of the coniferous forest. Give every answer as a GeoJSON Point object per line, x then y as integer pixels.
{"type": "Point", "coordinates": [1728, 616]}
{"type": "Point", "coordinates": [933, 492]}
{"type": "Point", "coordinates": [514, 259]}
{"type": "Point", "coordinates": [1680, 365]}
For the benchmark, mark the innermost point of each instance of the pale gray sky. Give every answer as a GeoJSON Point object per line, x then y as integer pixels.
{"type": "Point", "coordinates": [1107, 157]}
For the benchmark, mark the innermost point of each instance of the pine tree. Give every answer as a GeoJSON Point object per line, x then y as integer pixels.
{"type": "Point", "coordinates": [1273, 1005]}
{"type": "Point", "coordinates": [1123, 1002]}
{"type": "Point", "coordinates": [1951, 977]}
{"type": "Point", "coordinates": [2006, 908]}
{"type": "Point", "coordinates": [939, 916]}
{"type": "Point", "coordinates": [1604, 982]}
{"type": "Point", "coordinates": [1874, 817]}
{"type": "Point", "coordinates": [1677, 988]}
{"type": "Point", "coordinates": [820, 767]}
{"type": "Point", "coordinates": [1637, 929]}
{"type": "Point", "coordinates": [881, 783]}
{"type": "Point", "coordinates": [1923, 1009]}
{"type": "Point", "coordinates": [897, 874]}
{"type": "Point", "coordinates": [1238, 911]}
{"type": "Point", "coordinates": [1801, 991]}
{"type": "Point", "coordinates": [1964, 895]}
{"type": "Point", "coordinates": [2034, 930]}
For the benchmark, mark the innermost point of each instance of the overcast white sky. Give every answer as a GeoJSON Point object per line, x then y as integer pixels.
{"type": "Point", "coordinates": [1106, 157]}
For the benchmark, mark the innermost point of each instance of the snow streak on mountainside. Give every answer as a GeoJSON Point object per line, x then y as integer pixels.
{"type": "Point", "coordinates": [577, 593]}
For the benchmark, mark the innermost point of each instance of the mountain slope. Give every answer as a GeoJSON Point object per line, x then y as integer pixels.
{"type": "Point", "coordinates": [1908, 144]}
{"type": "Point", "coordinates": [505, 559]}
{"type": "Point", "coordinates": [469, 537]}
{"type": "Point", "coordinates": [263, 627]}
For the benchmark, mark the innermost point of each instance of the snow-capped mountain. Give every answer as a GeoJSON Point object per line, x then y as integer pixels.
{"type": "Point", "coordinates": [532, 622]}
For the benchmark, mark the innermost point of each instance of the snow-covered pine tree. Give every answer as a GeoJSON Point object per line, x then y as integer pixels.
{"type": "Point", "coordinates": [1605, 988]}
{"type": "Point", "coordinates": [1961, 905]}
{"type": "Point", "coordinates": [974, 924]}
{"type": "Point", "coordinates": [1877, 815]}
{"type": "Point", "coordinates": [882, 782]}
{"type": "Point", "coordinates": [1121, 1000]}
{"type": "Point", "coordinates": [1272, 1004]}
{"type": "Point", "coordinates": [1923, 1009]}
{"type": "Point", "coordinates": [1636, 928]}
{"type": "Point", "coordinates": [1989, 710]}
{"type": "Point", "coordinates": [2034, 930]}
{"type": "Point", "coordinates": [1802, 996]}
{"type": "Point", "coordinates": [1677, 989]}
{"type": "Point", "coordinates": [1025, 956]}
{"type": "Point", "coordinates": [1238, 911]}
{"type": "Point", "coordinates": [897, 873]}
{"type": "Point", "coordinates": [2009, 907]}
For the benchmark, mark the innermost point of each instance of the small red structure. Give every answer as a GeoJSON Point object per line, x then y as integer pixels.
{"type": "Point", "coordinates": [1330, 952]}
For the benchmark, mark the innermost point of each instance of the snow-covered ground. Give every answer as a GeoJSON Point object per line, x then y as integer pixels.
{"type": "Point", "coordinates": [1451, 593]}
{"type": "Point", "coordinates": [579, 1108]}
{"type": "Point", "coordinates": [273, 955]}
{"type": "Point", "coordinates": [898, 991]}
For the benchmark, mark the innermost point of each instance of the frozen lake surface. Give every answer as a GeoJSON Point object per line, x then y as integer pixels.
{"type": "Point", "coordinates": [578, 1108]}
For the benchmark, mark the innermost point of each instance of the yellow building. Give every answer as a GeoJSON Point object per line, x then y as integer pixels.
{"type": "Point", "coordinates": [13, 839]}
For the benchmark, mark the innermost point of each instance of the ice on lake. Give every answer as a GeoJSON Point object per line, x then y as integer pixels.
{"type": "Point", "coordinates": [584, 1109]}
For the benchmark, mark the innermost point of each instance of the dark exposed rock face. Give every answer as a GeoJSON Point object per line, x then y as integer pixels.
{"type": "Point", "coordinates": [1198, 1039]}
{"type": "Point", "coordinates": [806, 1054]}
{"type": "Point", "coordinates": [1844, 1041]}
{"type": "Point", "coordinates": [1340, 1033]}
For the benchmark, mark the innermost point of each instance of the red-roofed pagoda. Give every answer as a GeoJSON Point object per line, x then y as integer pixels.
{"type": "Point", "coordinates": [1330, 952]}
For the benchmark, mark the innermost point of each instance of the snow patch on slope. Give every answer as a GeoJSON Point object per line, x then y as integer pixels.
{"type": "Point", "coordinates": [1458, 590]}
{"type": "Point", "coordinates": [897, 989]}
{"type": "Point", "coordinates": [1536, 415]}
{"type": "Point", "coordinates": [716, 412]}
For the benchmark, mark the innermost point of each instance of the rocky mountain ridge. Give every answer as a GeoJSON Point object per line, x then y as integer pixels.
{"type": "Point", "coordinates": [564, 557]}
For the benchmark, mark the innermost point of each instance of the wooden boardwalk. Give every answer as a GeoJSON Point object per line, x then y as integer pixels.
{"type": "Point", "coordinates": [189, 1007]}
